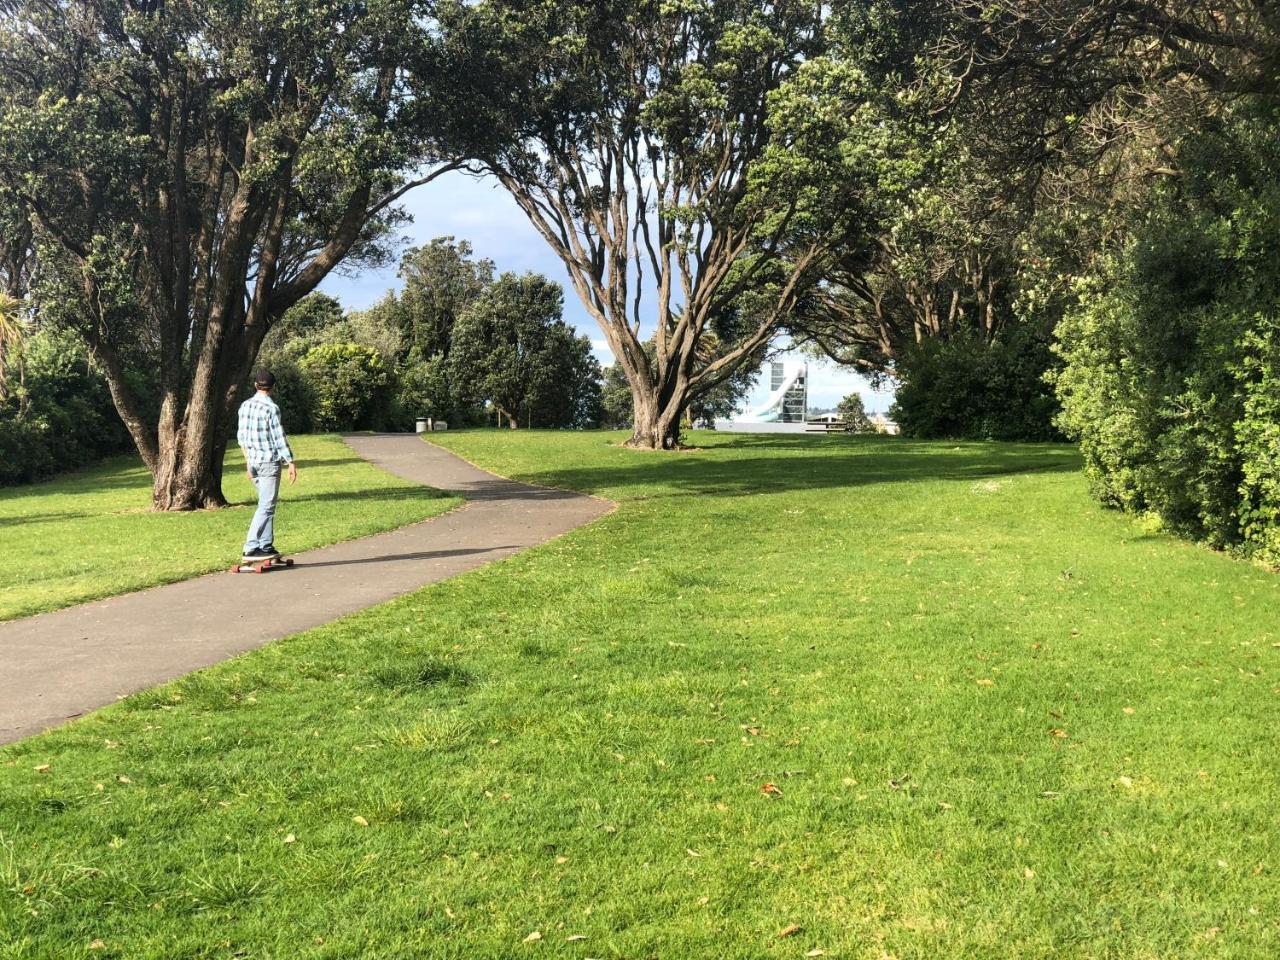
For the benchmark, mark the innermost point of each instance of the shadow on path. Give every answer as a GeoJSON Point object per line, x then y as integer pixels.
{"type": "Point", "coordinates": [393, 557]}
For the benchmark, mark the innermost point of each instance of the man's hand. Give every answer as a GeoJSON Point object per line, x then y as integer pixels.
{"type": "Point", "coordinates": [248, 472]}
{"type": "Point", "coordinates": [293, 473]}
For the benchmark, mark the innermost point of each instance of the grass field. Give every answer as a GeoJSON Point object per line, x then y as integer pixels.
{"type": "Point", "coordinates": [90, 534]}
{"type": "Point", "coordinates": [797, 697]}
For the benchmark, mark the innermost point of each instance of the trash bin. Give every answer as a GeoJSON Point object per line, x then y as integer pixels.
{"type": "Point", "coordinates": [422, 425]}
{"type": "Point", "coordinates": [439, 425]}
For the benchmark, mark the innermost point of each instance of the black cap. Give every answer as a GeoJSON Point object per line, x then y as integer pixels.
{"type": "Point", "coordinates": [262, 377]}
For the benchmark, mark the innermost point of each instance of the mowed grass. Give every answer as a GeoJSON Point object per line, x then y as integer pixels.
{"type": "Point", "coordinates": [90, 534]}
{"type": "Point", "coordinates": [916, 700]}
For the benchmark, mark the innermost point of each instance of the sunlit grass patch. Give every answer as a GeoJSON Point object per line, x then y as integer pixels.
{"type": "Point", "coordinates": [819, 683]}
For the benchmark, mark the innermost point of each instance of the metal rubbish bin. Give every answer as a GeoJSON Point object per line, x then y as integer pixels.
{"type": "Point", "coordinates": [439, 425]}
{"type": "Point", "coordinates": [422, 425]}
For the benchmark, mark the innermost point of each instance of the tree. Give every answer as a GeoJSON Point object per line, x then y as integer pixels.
{"type": "Point", "coordinates": [683, 154]}
{"type": "Point", "coordinates": [193, 170]}
{"type": "Point", "coordinates": [950, 219]}
{"type": "Point", "coordinates": [440, 281]}
{"type": "Point", "coordinates": [511, 349]}
{"type": "Point", "coordinates": [854, 415]}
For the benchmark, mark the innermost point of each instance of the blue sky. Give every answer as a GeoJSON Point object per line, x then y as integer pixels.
{"type": "Point", "coordinates": [479, 211]}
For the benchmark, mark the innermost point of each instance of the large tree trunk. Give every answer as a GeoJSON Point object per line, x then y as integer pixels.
{"type": "Point", "coordinates": [655, 425]}
{"type": "Point", "coordinates": [186, 478]}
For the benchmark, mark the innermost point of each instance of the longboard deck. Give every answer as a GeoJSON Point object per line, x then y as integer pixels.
{"type": "Point", "coordinates": [262, 566]}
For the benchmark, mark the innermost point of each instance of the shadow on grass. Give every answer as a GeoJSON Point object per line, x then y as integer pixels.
{"type": "Point", "coordinates": [809, 463]}
{"type": "Point", "coordinates": [41, 518]}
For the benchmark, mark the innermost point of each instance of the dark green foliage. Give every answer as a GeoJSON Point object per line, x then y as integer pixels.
{"type": "Point", "coordinates": [440, 281]}
{"type": "Point", "coordinates": [1173, 355]}
{"type": "Point", "coordinates": [965, 389]}
{"type": "Point", "coordinates": [69, 421]}
{"type": "Point", "coordinates": [616, 404]}
{"type": "Point", "coordinates": [512, 350]}
{"type": "Point", "coordinates": [351, 386]}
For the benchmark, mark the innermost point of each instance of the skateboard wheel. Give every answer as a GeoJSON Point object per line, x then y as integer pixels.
{"type": "Point", "coordinates": [288, 563]}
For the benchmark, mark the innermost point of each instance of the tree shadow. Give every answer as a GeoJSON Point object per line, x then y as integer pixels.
{"type": "Point", "coordinates": [795, 463]}
{"type": "Point", "coordinates": [42, 518]}
{"type": "Point", "coordinates": [393, 557]}
{"type": "Point", "coordinates": [386, 493]}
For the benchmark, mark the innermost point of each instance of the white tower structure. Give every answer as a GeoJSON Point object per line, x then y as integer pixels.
{"type": "Point", "coordinates": [788, 396]}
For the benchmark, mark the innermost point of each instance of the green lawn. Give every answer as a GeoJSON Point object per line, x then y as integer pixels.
{"type": "Point", "coordinates": [919, 700]}
{"type": "Point", "coordinates": [90, 534]}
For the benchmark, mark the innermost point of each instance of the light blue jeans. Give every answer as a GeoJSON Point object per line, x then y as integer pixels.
{"type": "Point", "coordinates": [266, 477]}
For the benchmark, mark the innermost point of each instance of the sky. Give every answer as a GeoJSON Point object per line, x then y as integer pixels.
{"type": "Point", "coordinates": [480, 212]}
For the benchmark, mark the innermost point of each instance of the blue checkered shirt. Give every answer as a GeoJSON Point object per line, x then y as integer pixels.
{"type": "Point", "coordinates": [260, 434]}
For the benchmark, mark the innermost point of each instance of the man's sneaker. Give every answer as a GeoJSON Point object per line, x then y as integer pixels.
{"type": "Point", "coordinates": [258, 553]}
{"type": "Point", "coordinates": [270, 550]}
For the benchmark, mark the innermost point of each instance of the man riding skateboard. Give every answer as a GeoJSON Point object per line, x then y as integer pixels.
{"type": "Point", "coordinates": [261, 437]}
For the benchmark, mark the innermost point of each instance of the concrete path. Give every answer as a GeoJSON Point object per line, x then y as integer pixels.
{"type": "Point", "coordinates": [60, 665]}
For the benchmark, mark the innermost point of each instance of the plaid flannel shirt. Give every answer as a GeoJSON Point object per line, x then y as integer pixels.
{"type": "Point", "coordinates": [260, 434]}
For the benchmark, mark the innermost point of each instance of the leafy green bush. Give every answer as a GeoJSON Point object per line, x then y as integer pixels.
{"type": "Point", "coordinates": [350, 386]}
{"type": "Point", "coordinates": [1171, 380]}
{"type": "Point", "coordinates": [68, 421]}
{"type": "Point", "coordinates": [966, 389]}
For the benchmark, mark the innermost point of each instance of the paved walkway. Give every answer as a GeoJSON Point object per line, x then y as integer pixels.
{"type": "Point", "coordinates": [63, 664]}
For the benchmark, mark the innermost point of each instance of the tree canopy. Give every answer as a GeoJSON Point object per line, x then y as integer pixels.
{"type": "Point", "coordinates": [684, 161]}
{"type": "Point", "coordinates": [192, 171]}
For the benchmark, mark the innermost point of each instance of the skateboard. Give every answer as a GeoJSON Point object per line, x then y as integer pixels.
{"type": "Point", "coordinates": [262, 566]}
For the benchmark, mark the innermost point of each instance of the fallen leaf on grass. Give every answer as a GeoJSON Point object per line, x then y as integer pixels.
{"type": "Point", "coordinates": [1028, 873]}
{"type": "Point", "coordinates": [692, 852]}
{"type": "Point", "coordinates": [123, 779]}
{"type": "Point", "coordinates": [790, 930]}
{"type": "Point", "coordinates": [360, 821]}
{"type": "Point", "coordinates": [43, 768]}
{"type": "Point", "coordinates": [562, 859]}
{"type": "Point", "coordinates": [575, 937]}
{"type": "Point", "coordinates": [1129, 710]}
{"type": "Point", "coordinates": [1125, 782]}
{"type": "Point", "coordinates": [97, 945]}
{"type": "Point", "coordinates": [986, 682]}
{"type": "Point", "coordinates": [771, 789]}
{"type": "Point", "coordinates": [533, 937]}
{"type": "Point", "coordinates": [290, 839]}
{"type": "Point", "coordinates": [816, 952]}
{"type": "Point", "coordinates": [1057, 732]}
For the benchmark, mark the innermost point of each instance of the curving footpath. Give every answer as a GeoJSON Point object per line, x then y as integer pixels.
{"type": "Point", "coordinates": [57, 666]}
